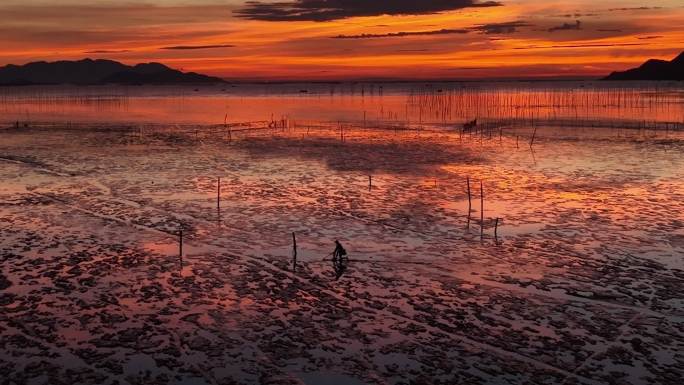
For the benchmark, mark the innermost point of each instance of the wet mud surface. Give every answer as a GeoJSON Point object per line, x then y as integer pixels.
{"type": "Point", "coordinates": [582, 282]}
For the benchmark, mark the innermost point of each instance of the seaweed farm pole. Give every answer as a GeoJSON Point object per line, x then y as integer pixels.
{"type": "Point", "coordinates": [470, 202]}
{"type": "Point", "coordinates": [534, 134]}
{"type": "Point", "coordinates": [481, 211]}
{"type": "Point", "coordinates": [294, 251]}
{"type": "Point", "coordinates": [180, 246]}
{"type": "Point", "coordinates": [496, 229]}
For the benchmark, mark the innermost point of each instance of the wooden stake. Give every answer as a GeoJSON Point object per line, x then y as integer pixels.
{"type": "Point", "coordinates": [496, 228]}
{"type": "Point", "coordinates": [180, 246]}
{"type": "Point", "coordinates": [481, 210]}
{"type": "Point", "coordinates": [294, 251]}
{"type": "Point", "coordinates": [370, 182]}
{"type": "Point", "coordinates": [470, 201]}
{"type": "Point", "coordinates": [534, 134]}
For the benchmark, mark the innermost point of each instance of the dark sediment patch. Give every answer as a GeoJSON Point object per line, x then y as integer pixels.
{"type": "Point", "coordinates": [399, 157]}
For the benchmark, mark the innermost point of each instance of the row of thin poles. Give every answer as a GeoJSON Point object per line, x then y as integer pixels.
{"type": "Point", "coordinates": [370, 185]}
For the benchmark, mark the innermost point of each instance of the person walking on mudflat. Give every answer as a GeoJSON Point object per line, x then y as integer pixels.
{"type": "Point", "coordinates": [339, 251]}
{"type": "Point", "coordinates": [339, 260]}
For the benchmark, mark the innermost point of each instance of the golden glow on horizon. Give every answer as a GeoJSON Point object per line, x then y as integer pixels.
{"type": "Point", "coordinates": [548, 42]}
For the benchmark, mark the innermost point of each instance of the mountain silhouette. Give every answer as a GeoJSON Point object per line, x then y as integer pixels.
{"type": "Point", "coordinates": [88, 72]}
{"type": "Point", "coordinates": [653, 70]}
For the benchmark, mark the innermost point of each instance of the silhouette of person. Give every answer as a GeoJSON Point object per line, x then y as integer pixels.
{"type": "Point", "coordinates": [339, 266]}
{"type": "Point", "coordinates": [339, 260]}
{"type": "Point", "coordinates": [339, 251]}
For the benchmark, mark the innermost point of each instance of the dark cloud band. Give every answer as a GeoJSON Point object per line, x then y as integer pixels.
{"type": "Point", "coordinates": [567, 27]}
{"type": "Point", "coordinates": [489, 29]}
{"type": "Point", "coordinates": [327, 10]}
{"type": "Point", "coordinates": [501, 28]}
{"type": "Point", "coordinates": [580, 46]}
{"type": "Point", "coordinates": [190, 47]}
{"type": "Point", "coordinates": [403, 34]}
{"type": "Point", "coordinates": [108, 51]}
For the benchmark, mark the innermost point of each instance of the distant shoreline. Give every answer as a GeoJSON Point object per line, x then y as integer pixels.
{"type": "Point", "coordinates": [234, 83]}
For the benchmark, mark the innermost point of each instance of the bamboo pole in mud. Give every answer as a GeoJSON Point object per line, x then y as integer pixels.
{"type": "Point", "coordinates": [496, 229]}
{"type": "Point", "coordinates": [294, 251]}
{"type": "Point", "coordinates": [370, 182]}
{"type": "Point", "coordinates": [180, 246]}
{"type": "Point", "coordinates": [516, 141]}
{"type": "Point", "coordinates": [481, 210]}
{"type": "Point", "coordinates": [218, 193]}
{"type": "Point", "coordinates": [534, 134]}
{"type": "Point", "coordinates": [470, 201]}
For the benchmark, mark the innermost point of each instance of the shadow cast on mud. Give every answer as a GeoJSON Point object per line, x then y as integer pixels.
{"type": "Point", "coordinates": [405, 157]}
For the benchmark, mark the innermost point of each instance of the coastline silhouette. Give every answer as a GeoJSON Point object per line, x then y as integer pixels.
{"type": "Point", "coordinates": [653, 69]}
{"type": "Point", "coordinates": [95, 72]}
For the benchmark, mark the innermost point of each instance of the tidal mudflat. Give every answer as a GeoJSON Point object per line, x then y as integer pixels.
{"type": "Point", "coordinates": [572, 273]}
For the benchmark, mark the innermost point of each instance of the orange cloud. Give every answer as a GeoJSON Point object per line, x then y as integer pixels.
{"type": "Point", "coordinates": [426, 40]}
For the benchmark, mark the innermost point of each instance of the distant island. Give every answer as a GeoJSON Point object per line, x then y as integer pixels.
{"type": "Point", "coordinates": [94, 72]}
{"type": "Point", "coordinates": [653, 70]}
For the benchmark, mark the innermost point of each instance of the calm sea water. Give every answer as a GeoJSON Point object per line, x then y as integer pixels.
{"type": "Point", "coordinates": [405, 103]}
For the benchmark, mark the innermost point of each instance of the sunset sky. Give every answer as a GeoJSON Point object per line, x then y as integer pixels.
{"type": "Point", "coordinates": [349, 39]}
